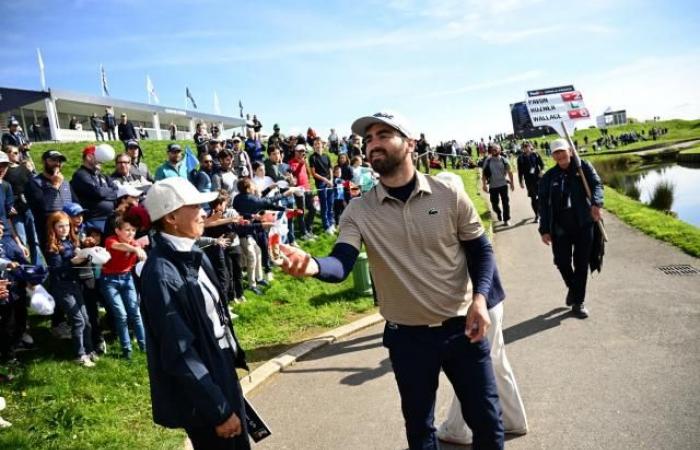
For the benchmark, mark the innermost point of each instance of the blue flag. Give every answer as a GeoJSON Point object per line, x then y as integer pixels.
{"type": "Point", "coordinates": [190, 160]}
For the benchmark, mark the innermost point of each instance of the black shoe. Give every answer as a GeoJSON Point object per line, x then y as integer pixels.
{"type": "Point", "coordinates": [580, 310]}
{"type": "Point", "coordinates": [569, 298]}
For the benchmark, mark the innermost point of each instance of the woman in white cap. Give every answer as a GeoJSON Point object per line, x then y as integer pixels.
{"type": "Point", "coordinates": [192, 348]}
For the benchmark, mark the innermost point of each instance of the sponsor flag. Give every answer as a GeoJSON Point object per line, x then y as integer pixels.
{"type": "Point", "coordinates": [240, 108]}
{"type": "Point", "coordinates": [217, 107]}
{"type": "Point", "coordinates": [103, 81]}
{"type": "Point", "coordinates": [188, 94]}
{"type": "Point", "coordinates": [42, 75]}
{"type": "Point", "coordinates": [190, 160]}
{"type": "Point", "coordinates": [151, 91]}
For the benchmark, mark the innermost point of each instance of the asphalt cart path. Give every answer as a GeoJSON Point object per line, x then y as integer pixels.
{"type": "Point", "coordinates": [626, 378]}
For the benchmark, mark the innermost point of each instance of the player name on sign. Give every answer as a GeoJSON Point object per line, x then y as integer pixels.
{"type": "Point", "coordinates": [555, 107]}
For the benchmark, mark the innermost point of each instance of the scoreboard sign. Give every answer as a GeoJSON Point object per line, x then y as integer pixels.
{"type": "Point", "coordinates": [556, 107]}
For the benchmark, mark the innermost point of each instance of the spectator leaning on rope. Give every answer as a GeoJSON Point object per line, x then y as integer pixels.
{"type": "Point", "coordinates": [192, 349]}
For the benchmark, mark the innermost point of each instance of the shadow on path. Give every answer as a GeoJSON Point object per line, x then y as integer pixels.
{"type": "Point", "coordinates": [537, 324]}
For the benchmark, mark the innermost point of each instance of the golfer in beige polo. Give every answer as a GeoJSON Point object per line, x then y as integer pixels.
{"type": "Point", "coordinates": [424, 240]}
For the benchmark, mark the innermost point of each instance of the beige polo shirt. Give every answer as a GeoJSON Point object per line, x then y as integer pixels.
{"type": "Point", "coordinates": [418, 265]}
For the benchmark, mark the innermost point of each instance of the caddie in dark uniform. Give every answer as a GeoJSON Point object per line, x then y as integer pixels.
{"type": "Point", "coordinates": [567, 218]}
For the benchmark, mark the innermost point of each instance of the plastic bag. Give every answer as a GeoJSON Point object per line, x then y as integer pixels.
{"type": "Point", "coordinates": [42, 302]}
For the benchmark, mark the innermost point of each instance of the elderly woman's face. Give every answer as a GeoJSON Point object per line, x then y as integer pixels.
{"type": "Point", "coordinates": [563, 158]}
{"type": "Point", "coordinates": [188, 222]}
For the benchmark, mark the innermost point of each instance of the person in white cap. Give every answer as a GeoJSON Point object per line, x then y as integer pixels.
{"type": "Point", "coordinates": [418, 230]}
{"type": "Point", "coordinates": [192, 349]}
{"type": "Point", "coordinates": [567, 218]}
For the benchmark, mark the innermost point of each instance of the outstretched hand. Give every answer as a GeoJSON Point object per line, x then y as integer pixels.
{"type": "Point", "coordinates": [297, 262]}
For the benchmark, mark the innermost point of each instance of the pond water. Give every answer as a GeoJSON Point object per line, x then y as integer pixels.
{"type": "Point", "coordinates": [643, 182]}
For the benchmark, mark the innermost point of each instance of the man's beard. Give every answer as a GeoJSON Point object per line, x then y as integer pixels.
{"type": "Point", "coordinates": [387, 165]}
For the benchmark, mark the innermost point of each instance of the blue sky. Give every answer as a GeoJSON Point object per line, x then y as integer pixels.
{"type": "Point", "coordinates": [451, 66]}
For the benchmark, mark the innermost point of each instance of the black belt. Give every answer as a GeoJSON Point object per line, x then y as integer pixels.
{"type": "Point", "coordinates": [448, 322]}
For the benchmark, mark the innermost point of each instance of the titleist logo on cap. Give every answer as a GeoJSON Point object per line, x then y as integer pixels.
{"type": "Point", "coordinates": [385, 115]}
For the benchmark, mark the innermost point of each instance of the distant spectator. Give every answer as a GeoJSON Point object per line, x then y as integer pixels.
{"type": "Point", "coordinates": [254, 148]}
{"type": "Point", "coordinates": [122, 174]}
{"type": "Point", "coordinates": [126, 130]}
{"type": "Point", "coordinates": [18, 175]}
{"type": "Point", "coordinates": [143, 133]}
{"type": "Point", "coordinates": [15, 137]}
{"type": "Point", "coordinates": [201, 178]}
{"type": "Point", "coordinates": [333, 141]}
{"type": "Point", "coordinates": [48, 192]}
{"type": "Point", "coordinates": [173, 131]}
{"type": "Point", "coordinates": [96, 125]}
{"type": "Point", "coordinates": [175, 166]}
{"type": "Point", "coordinates": [72, 122]}
{"type": "Point", "coordinates": [137, 164]}
{"type": "Point", "coordinates": [110, 123]}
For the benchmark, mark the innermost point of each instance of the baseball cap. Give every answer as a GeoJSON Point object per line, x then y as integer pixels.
{"type": "Point", "coordinates": [174, 148]}
{"type": "Point", "coordinates": [300, 148]}
{"type": "Point", "coordinates": [171, 194]}
{"type": "Point", "coordinates": [235, 138]}
{"type": "Point", "coordinates": [89, 150]}
{"type": "Point", "coordinates": [4, 159]}
{"type": "Point", "coordinates": [127, 189]}
{"type": "Point", "coordinates": [53, 154]}
{"type": "Point", "coordinates": [559, 144]}
{"type": "Point", "coordinates": [392, 119]}
{"type": "Point", "coordinates": [132, 143]}
{"type": "Point", "coordinates": [275, 127]}
{"type": "Point", "coordinates": [12, 121]}
{"type": "Point", "coordinates": [73, 209]}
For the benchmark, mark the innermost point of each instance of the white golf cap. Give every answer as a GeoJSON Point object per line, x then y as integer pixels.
{"type": "Point", "coordinates": [127, 189]}
{"type": "Point", "coordinates": [558, 144]}
{"type": "Point", "coordinates": [4, 159]}
{"type": "Point", "coordinates": [394, 120]}
{"type": "Point", "coordinates": [171, 194]}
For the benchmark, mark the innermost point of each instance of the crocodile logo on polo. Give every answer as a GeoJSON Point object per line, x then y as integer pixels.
{"type": "Point", "coordinates": [432, 211]}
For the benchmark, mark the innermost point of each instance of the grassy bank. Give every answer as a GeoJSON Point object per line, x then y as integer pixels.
{"type": "Point", "coordinates": [654, 223]}
{"type": "Point", "coordinates": [678, 130]}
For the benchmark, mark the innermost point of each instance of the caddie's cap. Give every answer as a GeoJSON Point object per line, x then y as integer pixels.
{"type": "Point", "coordinates": [171, 194]}
{"type": "Point", "coordinates": [558, 144]}
{"type": "Point", "coordinates": [392, 119]}
{"type": "Point", "coordinates": [53, 154]}
{"type": "Point", "coordinates": [174, 148]}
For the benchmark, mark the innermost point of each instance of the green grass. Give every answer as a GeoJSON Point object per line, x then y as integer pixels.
{"type": "Point", "coordinates": [694, 150]}
{"type": "Point", "coordinates": [654, 223]}
{"type": "Point", "coordinates": [678, 130]}
{"type": "Point", "coordinates": [472, 184]}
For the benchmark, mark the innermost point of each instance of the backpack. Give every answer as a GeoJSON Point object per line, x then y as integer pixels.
{"type": "Point", "coordinates": [487, 167]}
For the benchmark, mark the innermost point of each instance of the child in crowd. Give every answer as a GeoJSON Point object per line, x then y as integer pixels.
{"type": "Point", "coordinates": [88, 274]}
{"type": "Point", "coordinates": [61, 246]}
{"type": "Point", "coordinates": [339, 202]}
{"type": "Point", "coordinates": [118, 286]}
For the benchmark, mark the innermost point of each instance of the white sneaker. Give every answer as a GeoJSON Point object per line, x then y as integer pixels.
{"type": "Point", "coordinates": [507, 223]}
{"type": "Point", "coordinates": [85, 361]}
{"type": "Point", "coordinates": [4, 423]}
{"type": "Point", "coordinates": [93, 357]}
{"type": "Point", "coordinates": [243, 299]}
{"type": "Point", "coordinates": [2, 403]}
{"type": "Point", "coordinates": [269, 276]}
{"type": "Point", "coordinates": [27, 339]}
